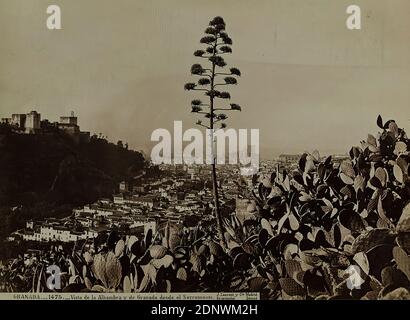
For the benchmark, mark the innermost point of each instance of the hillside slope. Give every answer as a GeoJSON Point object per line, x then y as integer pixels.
{"type": "Point", "coordinates": [48, 174]}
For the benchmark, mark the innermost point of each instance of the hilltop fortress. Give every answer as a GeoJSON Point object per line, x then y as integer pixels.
{"type": "Point", "coordinates": [31, 123]}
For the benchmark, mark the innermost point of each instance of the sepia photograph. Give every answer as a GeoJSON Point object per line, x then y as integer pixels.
{"type": "Point", "coordinates": [204, 150]}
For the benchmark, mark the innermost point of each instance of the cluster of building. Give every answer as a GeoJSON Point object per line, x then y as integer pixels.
{"type": "Point", "coordinates": [63, 230]}
{"type": "Point", "coordinates": [31, 123]}
{"type": "Point", "coordinates": [181, 195]}
{"type": "Point", "coordinates": [290, 161]}
{"type": "Point", "coordinates": [87, 222]}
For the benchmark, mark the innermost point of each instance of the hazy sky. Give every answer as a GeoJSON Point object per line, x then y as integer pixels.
{"type": "Point", "coordinates": [307, 82]}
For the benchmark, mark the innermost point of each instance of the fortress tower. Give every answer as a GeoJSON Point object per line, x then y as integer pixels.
{"type": "Point", "coordinates": [19, 120]}
{"type": "Point", "coordinates": [32, 122]}
{"type": "Point", "coordinates": [71, 120]}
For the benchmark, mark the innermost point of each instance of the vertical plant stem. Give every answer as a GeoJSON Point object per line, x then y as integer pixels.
{"type": "Point", "coordinates": [213, 164]}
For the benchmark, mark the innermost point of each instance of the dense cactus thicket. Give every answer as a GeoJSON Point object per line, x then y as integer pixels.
{"type": "Point", "coordinates": [310, 229]}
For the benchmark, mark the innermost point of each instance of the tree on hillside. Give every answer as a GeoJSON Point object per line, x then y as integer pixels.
{"type": "Point", "coordinates": [212, 79]}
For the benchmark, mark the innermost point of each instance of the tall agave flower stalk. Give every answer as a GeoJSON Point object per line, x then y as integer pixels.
{"type": "Point", "coordinates": [211, 78]}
